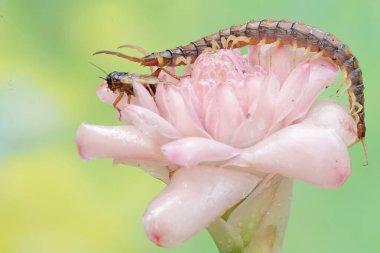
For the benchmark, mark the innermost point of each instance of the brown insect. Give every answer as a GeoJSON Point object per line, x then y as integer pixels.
{"type": "Point", "coordinates": [122, 82]}
{"type": "Point", "coordinates": [283, 32]}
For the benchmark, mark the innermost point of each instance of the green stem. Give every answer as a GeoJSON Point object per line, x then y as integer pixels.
{"type": "Point", "coordinates": [258, 223]}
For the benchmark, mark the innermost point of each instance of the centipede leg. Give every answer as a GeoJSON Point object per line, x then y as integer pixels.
{"type": "Point", "coordinates": [294, 52]}
{"type": "Point", "coordinates": [223, 40]}
{"type": "Point", "coordinates": [358, 107]}
{"type": "Point", "coordinates": [230, 38]}
{"type": "Point", "coordinates": [239, 39]}
{"type": "Point", "coordinates": [272, 49]}
{"type": "Point", "coordinates": [259, 45]}
{"type": "Point", "coordinates": [364, 145]}
{"type": "Point", "coordinates": [180, 60]}
{"type": "Point", "coordinates": [347, 88]}
{"type": "Point", "coordinates": [317, 55]}
{"type": "Point", "coordinates": [339, 92]}
{"type": "Point", "coordinates": [307, 51]}
{"type": "Point", "coordinates": [117, 100]}
{"type": "Point", "coordinates": [214, 45]}
{"type": "Point", "coordinates": [157, 72]}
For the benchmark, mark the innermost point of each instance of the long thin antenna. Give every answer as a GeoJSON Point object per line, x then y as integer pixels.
{"type": "Point", "coordinates": [96, 66]}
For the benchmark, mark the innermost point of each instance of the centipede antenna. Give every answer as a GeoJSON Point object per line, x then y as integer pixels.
{"type": "Point", "coordinates": [121, 55]}
{"type": "Point", "coordinates": [138, 48]}
{"type": "Point", "coordinates": [362, 140]}
{"type": "Point", "coordinates": [96, 66]}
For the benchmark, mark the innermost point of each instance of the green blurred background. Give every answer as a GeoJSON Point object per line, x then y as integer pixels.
{"type": "Point", "coordinates": [51, 201]}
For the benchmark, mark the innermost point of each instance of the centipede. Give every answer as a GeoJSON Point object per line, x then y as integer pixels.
{"type": "Point", "coordinates": [277, 33]}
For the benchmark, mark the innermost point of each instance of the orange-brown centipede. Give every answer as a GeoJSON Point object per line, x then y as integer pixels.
{"type": "Point", "coordinates": [283, 32]}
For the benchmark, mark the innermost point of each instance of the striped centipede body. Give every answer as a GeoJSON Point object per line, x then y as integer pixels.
{"type": "Point", "coordinates": [283, 32]}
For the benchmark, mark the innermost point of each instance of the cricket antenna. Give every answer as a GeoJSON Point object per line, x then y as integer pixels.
{"type": "Point", "coordinates": [96, 66]}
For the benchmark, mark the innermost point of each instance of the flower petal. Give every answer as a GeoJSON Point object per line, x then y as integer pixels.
{"type": "Point", "coordinates": [189, 152]}
{"type": "Point", "coordinates": [291, 92]}
{"type": "Point", "coordinates": [151, 124]}
{"type": "Point", "coordinates": [174, 109]}
{"type": "Point", "coordinates": [260, 115]}
{"type": "Point", "coordinates": [194, 198]}
{"type": "Point", "coordinates": [279, 60]}
{"type": "Point", "coordinates": [122, 143]}
{"type": "Point", "coordinates": [108, 96]}
{"type": "Point", "coordinates": [306, 152]}
{"type": "Point", "coordinates": [331, 115]}
{"type": "Point", "coordinates": [218, 67]}
{"type": "Point", "coordinates": [143, 96]}
{"type": "Point", "coordinates": [322, 74]}
{"type": "Point", "coordinates": [223, 114]}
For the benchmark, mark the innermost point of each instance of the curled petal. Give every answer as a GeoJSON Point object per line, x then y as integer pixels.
{"type": "Point", "coordinates": [122, 143]}
{"type": "Point", "coordinates": [174, 109]}
{"type": "Point", "coordinates": [306, 152]}
{"type": "Point", "coordinates": [331, 115]}
{"type": "Point", "coordinates": [220, 67]}
{"type": "Point", "coordinates": [194, 198]}
{"type": "Point", "coordinates": [223, 113]}
{"type": "Point", "coordinates": [189, 152]}
{"type": "Point", "coordinates": [151, 124]}
{"type": "Point", "coordinates": [292, 91]}
{"type": "Point", "coordinates": [144, 98]}
{"type": "Point", "coordinates": [322, 74]}
{"type": "Point", "coordinates": [260, 115]}
{"type": "Point", "coordinates": [108, 96]}
{"type": "Point", "coordinates": [275, 59]}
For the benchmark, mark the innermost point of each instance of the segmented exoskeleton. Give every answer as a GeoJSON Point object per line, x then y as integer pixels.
{"type": "Point", "coordinates": [283, 32]}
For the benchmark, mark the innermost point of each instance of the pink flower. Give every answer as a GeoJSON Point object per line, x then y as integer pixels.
{"type": "Point", "coordinates": [214, 136]}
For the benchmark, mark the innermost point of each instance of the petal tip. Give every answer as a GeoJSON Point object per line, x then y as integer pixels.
{"type": "Point", "coordinates": [101, 91]}
{"type": "Point", "coordinates": [80, 141]}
